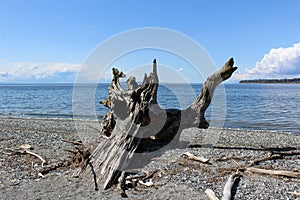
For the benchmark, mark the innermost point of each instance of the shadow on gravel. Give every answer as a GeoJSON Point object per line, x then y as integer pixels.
{"type": "Point", "coordinates": [235, 187]}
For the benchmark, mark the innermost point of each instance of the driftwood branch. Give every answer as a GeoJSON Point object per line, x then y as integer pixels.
{"type": "Point", "coordinates": [289, 153]}
{"type": "Point", "coordinates": [121, 185]}
{"type": "Point", "coordinates": [274, 172]}
{"type": "Point", "coordinates": [273, 156]}
{"type": "Point", "coordinates": [295, 193]}
{"type": "Point", "coordinates": [228, 186]}
{"type": "Point", "coordinates": [211, 194]}
{"type": "Point", "coordinates": [36, 155]}
{"type": "Point", "coordinates": [269, 157]}
{"type": "Point", "coordinates": [144, 179]}
{"type": "Point", "coordinates": [196, 158]}
{"type": "Point", "coordinates": [202, 102]}
{"type": "Point", "coordinates": [232, 158]}
{"type": "Point", "coordinates": [72, 142]}
{"type": "Point", "coordinates": [227, 191]}
{"type": "Point", "coordinates": [53, 167]}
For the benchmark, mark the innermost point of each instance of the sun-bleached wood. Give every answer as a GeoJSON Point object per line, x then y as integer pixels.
{"type": "Point", "coordinates": [130, 125]}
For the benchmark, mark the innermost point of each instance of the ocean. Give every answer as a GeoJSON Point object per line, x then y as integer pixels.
{"type": "Point", "coordinates": [245, 106]}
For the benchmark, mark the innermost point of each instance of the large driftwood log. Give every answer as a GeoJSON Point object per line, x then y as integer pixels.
{"type": "Point", "coordinates": [135, 122]}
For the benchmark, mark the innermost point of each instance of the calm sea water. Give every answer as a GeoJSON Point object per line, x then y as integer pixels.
{"type": "Point", "coordinates": [247, 106]}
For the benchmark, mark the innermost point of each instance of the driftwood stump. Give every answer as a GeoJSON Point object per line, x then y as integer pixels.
{"type": "Point", "coordinates": [135, 122]}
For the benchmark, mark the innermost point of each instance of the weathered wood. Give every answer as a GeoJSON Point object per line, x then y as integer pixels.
{"type": "Point", "coordinates": [134, 120]}
{"type": "Point", "coordinates": [274, 172]}
{"type": "Point", "coordinates": [193, 116]}
{"type": "Point", "coordinates": [196, 158]}
{"type": "Point", "coordinates": [34, 154]}
{"type": "Point", "coordinates": [129, 114]}
{"type": "Point", "coordinates": [211, 194]}
{"type": "Point", "coordinates": [199, 106]}
{"type": "Point", "coordinates": [227, 191]}
{"type": "Point", "coordinates": [269, 157]}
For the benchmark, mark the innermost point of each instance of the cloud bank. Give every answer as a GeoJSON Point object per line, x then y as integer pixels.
{"type": "Point", "coordinates": [278, 64]}
{"type": "Point", "coordinates": [37, 72]}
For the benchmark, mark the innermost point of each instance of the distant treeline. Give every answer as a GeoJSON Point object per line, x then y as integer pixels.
{"type": "Point", "coordinates": [294, 80]}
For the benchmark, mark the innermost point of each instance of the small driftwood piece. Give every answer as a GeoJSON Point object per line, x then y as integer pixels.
{"type": "Point", "coordinates": [149, 175]}
{"type": "Point", "coordinates": [34, 154]}
{"type": "Point", "coordinates": [136, 122]}
{"type": "Point", "coordinates": [227, 191]}
{"type": "Point", "coordinates": [211, 194]}
{"type": "Point", "coordinates": [144, 179]}
{"type": "Point", "coordinates": [53, 167]}
{"type": "Point", "coordinates": [24, 150]}
{"type": "Point", "coordinates": [196, 158]}
{"type": "Point", "coordinates": [72, 142]}
{"type": "Point", "coordinates": [289, 153]}
{"type": "Point", "coordinates": [272, 156]}
{"type": "Point", "coordinates": [269, 157]}
{"type": "Point", "coordinates": [81, 154]}
{"type": "Point", "coordinates": [232, 158]}
{"type": "Point", "coordinates": [121, 185]}
{"type": "Point", "coordinates": [295, 193]}
{"type": "Point", "coordinates": [274, 172]}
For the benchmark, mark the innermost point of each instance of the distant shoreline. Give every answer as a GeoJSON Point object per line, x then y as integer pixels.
{"type": "Point", "coordinates": [281, 81]}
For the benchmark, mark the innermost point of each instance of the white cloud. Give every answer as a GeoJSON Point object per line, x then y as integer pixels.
{"type": "Point", "coordinates": [278, 63]}
{"type": "Point", "coordinates": [31, 72]}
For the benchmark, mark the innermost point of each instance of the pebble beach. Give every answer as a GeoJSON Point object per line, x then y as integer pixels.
{"type": "Point", "coordinates": [228, 151]}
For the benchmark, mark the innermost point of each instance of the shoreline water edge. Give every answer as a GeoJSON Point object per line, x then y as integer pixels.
{"type": "Point", "coordinates": [247, 106]}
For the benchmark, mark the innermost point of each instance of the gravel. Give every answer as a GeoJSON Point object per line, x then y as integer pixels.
{"type": "Point", "coordinates": [178, 176]}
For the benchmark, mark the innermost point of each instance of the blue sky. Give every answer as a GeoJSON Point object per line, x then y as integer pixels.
{"type": "Point", "coordinates": [47, 41]}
